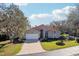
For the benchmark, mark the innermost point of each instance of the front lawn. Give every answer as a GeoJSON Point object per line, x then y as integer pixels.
{"type": "Point", "coordinates": [8, 49]}
{"type": "Point", "coordinates": [52, 45]}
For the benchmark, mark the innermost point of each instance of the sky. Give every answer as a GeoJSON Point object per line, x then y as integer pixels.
{"type": "Point", "coordinates": [45, 13]}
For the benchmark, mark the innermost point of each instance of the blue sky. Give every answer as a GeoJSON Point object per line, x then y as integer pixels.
{"type": "Point", "coordinates": [44, 13]}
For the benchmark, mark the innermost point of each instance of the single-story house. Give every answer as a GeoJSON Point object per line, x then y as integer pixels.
{"type": "Point", "coordinates": [42, 32]}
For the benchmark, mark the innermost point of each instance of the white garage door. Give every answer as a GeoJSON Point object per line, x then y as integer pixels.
{"type": "Point", "coordinates": [32, 36]}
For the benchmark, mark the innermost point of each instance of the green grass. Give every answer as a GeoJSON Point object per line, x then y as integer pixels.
{"type": "Point", "coordinates": [9, 49]}
{"type": "Point", "coordinates": [65, 35]}
{"type": "Point", "coordinates": [52, 45]}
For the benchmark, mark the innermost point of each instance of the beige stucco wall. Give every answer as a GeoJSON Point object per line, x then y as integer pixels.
{"type": "Point", "coordinates": [54, 34]}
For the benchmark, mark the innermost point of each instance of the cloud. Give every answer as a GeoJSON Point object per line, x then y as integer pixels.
{"type": "Point", "coordinates": [61, 14]}
{"type": "Point", "coordinates": [21, 4]}
{"type": "Point", "coordinates": [68, 8]}
{"type": "Point", "coordinates": [40, 16]}
{"type": "Point", "coordinates": [56, 15]}
{"type": "Point", "coordinates": [64, 10]}
{"type": "Point", "coordinates": [38, 19]}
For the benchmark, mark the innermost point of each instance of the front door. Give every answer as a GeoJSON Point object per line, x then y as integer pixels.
{"type": "Point", "coordinates": [41, 34]}
{"type": "Point", "coordinates": [46, 34]}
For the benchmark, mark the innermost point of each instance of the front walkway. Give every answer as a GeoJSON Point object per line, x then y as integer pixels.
{"type": "Point", "coordinates": [30, 48]}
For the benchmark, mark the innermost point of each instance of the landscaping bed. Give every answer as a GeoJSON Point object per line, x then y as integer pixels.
{"type": "Point", "coordinates": [8, 49]}
{"type": "Point", "coordinates": [53, 46]}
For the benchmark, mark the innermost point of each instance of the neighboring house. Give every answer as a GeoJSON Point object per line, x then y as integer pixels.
{"type": "Point", "coordinates": [42, 32]}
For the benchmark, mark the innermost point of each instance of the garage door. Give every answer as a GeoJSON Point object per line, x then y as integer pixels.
{"type": "Point", "coordinates": [32, 36]}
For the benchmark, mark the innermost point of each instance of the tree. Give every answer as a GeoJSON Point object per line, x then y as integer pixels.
{"type": "Point", "coordinates": [13, 22]}
{"type": "Point", "coordinates": [61, 25]}
{"type": "Point", "coordinates": [73, 20]}
{"type": "Point", "coordinates": [70, 25]}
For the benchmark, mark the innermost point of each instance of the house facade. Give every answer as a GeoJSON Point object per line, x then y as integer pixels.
{"type": "Point", "coordinates": [42, 32]}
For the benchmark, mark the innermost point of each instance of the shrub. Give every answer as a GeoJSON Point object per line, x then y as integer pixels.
{"type": "Point", "coordinates": [60, 43]}
{"type": "Point", "coordinates": [62, 38]}
{"type": "Point", "coordinates": [16, 40]}
{"type": "Point", "coordinates": [44, 40]}
{"type": "Point", "coordinates": [4, 37]}
{"type": "Point", "coordinates": [77, 40]}
{"type": "Point", "coordinates": [71, 38]}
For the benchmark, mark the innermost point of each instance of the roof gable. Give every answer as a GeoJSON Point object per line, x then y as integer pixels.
{"type": "Point", "coordinates": [45, 27]}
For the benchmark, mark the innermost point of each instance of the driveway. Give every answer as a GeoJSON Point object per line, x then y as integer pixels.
{"type": "Point", "coordinates": [31, 47]}
{"type": "Point", "coordinates": [71, 51]}
{"type": "Point", "coordinates": [34, 48]}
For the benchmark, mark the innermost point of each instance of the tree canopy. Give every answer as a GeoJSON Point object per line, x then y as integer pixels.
{"type": "Point", "coordinates": [12, 21]}
{"type": "Point", "coordinates": [71, 24]}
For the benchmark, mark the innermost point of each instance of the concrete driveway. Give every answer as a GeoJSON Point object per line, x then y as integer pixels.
{"type": "Point", "coordinates": [31, 47]}
{"type": "Point", "coordinates": [71, 51]}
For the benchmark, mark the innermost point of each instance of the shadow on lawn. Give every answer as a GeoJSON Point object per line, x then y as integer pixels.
{"type": "Point", "coordinates": [2, 45]}
{"type": "Point", "coordinates": [49, 40]}
{"type": "Point", "coordinates": [60, 43]}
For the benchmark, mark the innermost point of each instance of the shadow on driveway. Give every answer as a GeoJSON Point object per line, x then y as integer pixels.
{"type": "Point", "coordinates": [31, 40]}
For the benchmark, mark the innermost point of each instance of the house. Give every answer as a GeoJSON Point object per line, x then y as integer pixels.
{"type": "Point", "coordinates": [42, 32]}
